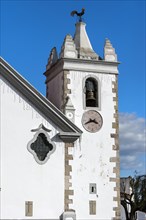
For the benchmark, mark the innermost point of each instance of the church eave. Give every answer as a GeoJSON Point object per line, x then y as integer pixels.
{"type": "Point", "coordinates": [38, 100]}
{"type": "Point", "coordinates": [67, 137]}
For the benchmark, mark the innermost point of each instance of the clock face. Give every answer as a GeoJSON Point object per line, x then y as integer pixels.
{"type": "Point", "coordinates": [92, 121]}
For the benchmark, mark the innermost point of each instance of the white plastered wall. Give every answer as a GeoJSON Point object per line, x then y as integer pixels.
{"type": "Point", "coordinates": [55, 90]}
{"type": "Point", "coordinates": [22, 178]}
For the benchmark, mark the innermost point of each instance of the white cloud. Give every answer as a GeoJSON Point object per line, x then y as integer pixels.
{"type": "Point", "coordinates": [132, 142]}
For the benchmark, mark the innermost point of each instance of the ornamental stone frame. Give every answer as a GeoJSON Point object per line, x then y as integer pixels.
{"type": "Point", "coordinates": [41, 132]}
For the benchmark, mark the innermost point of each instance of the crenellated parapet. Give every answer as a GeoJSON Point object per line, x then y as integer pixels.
{"type": "Point", "coordinates": [109, 52]}
{"type": "Point", "coordinates": [68, 49]}
{"type": "Point", "coordinates": [52, 58]}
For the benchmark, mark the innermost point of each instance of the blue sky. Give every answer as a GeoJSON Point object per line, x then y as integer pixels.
{"type": "Point", "coordinates": [29, 30]}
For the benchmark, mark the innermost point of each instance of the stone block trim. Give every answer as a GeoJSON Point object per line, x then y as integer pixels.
{"type": "Point", "coordinates": [114, 159]}
{"type": "Point", "coordinates": [65, 89]}
{"type": "Point", "coordinates": [115, 125]}
{"type": "Point", "coordinates": [115, 147]}
{"type": "Point", "coordinates": [69, 157]}
{"type": "Point", "coordinates": [115, 136]}
{"type": "Point", "coordinates": [115, 169]}
{"type": "Point", "coordinates": [68, 191]}
{"type": "Point", "coordinates": [112, 179]}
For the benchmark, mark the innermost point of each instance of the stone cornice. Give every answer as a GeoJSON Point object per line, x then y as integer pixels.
{"type": "Point", "coordinates": [92, 61]}
{"type": "Point", "coordinates": [97, 66]}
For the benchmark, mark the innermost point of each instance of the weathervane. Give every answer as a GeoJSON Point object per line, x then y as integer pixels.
{"type": "Point", "coordinates": [79, 14]}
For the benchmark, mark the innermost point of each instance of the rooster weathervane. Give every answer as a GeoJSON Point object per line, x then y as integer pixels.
{"type": "Point", "coordinates": [79, 14]}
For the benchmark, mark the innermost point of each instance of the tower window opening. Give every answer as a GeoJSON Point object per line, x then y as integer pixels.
{"type": "Point", "coordinates": [92, 207]}
{"type": "Point", "coordinates": [91, 88]}
{"type": "Point", "coordinates": [29, 208]}
{"type": "Point", "coordinates": [92, 188]}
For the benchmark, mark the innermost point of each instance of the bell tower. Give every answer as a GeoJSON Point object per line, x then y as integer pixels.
{"type": "Point", "coordinates": [84, 86]}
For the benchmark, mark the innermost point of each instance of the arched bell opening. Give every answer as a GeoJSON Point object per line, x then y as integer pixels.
{"type": "Point", "coordinates": [91, 92]}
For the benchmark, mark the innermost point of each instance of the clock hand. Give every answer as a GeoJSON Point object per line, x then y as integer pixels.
{"type": "Point", "coordinates": [90, 120]}
{"type": "Point", "coordinates": [93, 120]}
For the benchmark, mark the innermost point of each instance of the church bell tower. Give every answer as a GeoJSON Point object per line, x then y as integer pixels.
{"type": "Point", "coordinates": [84, 87]}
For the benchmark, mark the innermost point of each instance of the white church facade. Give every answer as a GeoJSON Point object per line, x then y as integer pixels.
{"type": "Point", "coordinates": [60, 153]}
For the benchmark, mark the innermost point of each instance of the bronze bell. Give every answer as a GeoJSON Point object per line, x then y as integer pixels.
{"type": "Point", "coordinates": [90, 95]}
{"type": "Point", "coordinates": [90, 100]}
